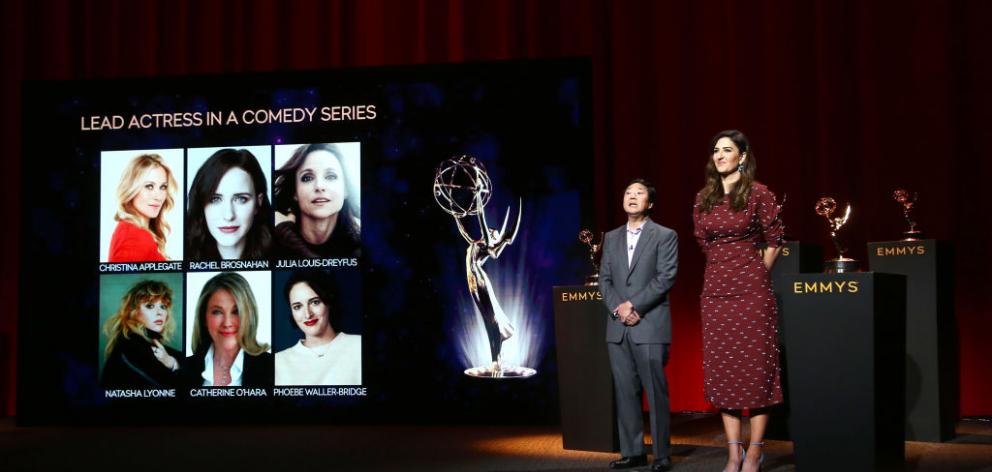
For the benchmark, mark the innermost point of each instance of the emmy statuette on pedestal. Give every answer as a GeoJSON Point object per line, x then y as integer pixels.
{"type": "Point", "coordinates": [908, 202]}
{"type": "Point", "coordinates": [586, 237]}
{"type": "Point", "coordinates": [826, 207]}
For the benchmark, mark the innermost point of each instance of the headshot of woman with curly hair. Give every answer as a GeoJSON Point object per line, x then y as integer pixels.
{"type": "Point", "coordinates": [138, 333]}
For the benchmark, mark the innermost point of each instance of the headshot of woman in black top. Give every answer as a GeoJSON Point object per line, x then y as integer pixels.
{"type": "Point", "coordinates": [228, 209]}
{"type": "Point", "coordinates": [137, 335]}
{"type": "Point", "coordinates": [319, 200]}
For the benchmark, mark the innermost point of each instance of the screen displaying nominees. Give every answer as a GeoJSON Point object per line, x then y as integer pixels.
{"type": "Point", "coordinates": [236, 307]}
{"type": "Point", "coordinates": [350, 245]}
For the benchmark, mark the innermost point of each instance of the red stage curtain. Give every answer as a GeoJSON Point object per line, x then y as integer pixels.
{"type": "Point", "coordinates": [842, 98]}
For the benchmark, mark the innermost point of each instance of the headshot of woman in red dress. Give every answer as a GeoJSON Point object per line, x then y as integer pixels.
{"type": "Point", "coordinates": [144, 196]}
{"type": "Point", "coordinates": [732, 214]}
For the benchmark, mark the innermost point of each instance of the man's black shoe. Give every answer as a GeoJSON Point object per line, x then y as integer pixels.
{"type": "Point", "coordinates": [661, 465]}
{"type": "Point", "coordinates": [629, 462]}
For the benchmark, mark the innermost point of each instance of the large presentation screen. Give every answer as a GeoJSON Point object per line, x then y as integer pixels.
{"type": "Point", "coordinates": [365, 245]}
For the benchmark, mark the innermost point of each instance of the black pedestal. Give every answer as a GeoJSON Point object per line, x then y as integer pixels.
{"type": "Point", "coordinates": [798, 257]}
{"type": "Point", "coordinates": [931, 347]}
{"type": "Point", "coordinates": [795, 257]}
{"type": "Point", "coordinates": [585, 382]}
{"type": "Point", "coordinates": [845, 348]}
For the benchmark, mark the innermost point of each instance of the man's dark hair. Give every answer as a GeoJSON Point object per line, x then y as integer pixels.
{"type": "Point", "coordinates": [646, 184]}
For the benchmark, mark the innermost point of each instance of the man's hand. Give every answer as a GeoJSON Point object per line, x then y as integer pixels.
{"type": "Point", "coordinates": [633, 318]}
{"type": "Point", "coordinates": [623, 310]}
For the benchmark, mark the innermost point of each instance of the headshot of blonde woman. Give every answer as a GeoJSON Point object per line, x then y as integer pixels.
{"type": "Point", "coordinates": [142, 204]}
{"type": "Point", "coordinates": [227, 344]}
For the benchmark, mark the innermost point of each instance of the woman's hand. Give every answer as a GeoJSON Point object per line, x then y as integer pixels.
{"type": "Point", "coordinates": [163, 356]}
{"type": "Point", "coordinates": [769, 255]}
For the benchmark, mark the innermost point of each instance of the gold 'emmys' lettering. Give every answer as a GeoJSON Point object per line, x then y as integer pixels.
{"type": "Point", "coordinates": [901, 251]}
{"type": "Point", "coordinates": [583, 296]}
{"type": "Point", "coordinates": [837, 286]}
{"type": "Point", "coordinates": [785, 251]}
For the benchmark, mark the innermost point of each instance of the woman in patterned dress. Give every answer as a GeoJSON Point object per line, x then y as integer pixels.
{"type": "Point", "coordinates": [740, 349]}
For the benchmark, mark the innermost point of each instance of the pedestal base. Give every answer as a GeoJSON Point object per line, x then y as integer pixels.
{"type": "Point", "coordinates": [840, 265]}
{"type": "Point", "coordinates": [504, 372]}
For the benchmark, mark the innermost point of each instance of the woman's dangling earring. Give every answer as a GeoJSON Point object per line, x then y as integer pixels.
{"type": "Point", "coordinates": [740, 167]}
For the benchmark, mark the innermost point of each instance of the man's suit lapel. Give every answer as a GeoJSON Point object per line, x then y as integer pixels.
{"type": "Point", "coordinates": [622, 246]}
{"type": "Point", "coordinates": [647, 235]}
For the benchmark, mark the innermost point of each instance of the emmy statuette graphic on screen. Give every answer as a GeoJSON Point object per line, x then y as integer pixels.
{"type": "Point", "coordinates": [462, 188]}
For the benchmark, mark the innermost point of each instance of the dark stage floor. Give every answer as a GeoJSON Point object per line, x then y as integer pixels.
{"type": "Point", "coordinates": [698, 443]}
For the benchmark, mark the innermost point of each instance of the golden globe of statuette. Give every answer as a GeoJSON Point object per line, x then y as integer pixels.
{"type": "Point", "coordinates": [902, 196]}
{"type": "Point", "coordinates": [908, 202]}
{"type": "Point", "coordinates": [585, 236]}
{"type": "Point", "coordinates": [826, 207]}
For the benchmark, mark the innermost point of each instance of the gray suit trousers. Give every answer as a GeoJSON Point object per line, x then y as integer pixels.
{"type": "Point", "coordinates": [637, 366]}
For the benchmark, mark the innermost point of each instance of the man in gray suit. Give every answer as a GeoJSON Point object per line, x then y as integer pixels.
{"type": "Point", "coordinates": [637, 271]}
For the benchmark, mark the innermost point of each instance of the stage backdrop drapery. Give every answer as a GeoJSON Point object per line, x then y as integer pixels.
{"type": "Point", "coordinates": [841, 98]}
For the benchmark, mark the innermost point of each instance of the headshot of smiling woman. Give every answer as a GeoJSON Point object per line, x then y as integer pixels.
{"type": "Point", "coordinates": [137, 353]}
{"type": "Point", "coordinates": [228, 209]}
{"type": "Point", "coordinates": [319, 200]}
{"type": "Point", "coordinates": [324, 354]}
{"type": "Point", "coordinates": [225, 345]}
{"type": "Point", "coordinates": [144, 197]}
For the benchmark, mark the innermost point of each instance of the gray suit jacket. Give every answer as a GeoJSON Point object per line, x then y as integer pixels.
{"type": "Point", "coordinates": [646, 281]}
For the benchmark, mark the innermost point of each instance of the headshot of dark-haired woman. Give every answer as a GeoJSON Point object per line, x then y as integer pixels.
{"type": "Point", "coordinates": [324, 355]}
{"type": "Point", "coordinates": [321, 285]}
{"type": "Point", "coordinates": [712, 193]}
{"type": "Point", "coordinates": [313, 188]}
{"type": "Point", "coordinates": [229, 215]}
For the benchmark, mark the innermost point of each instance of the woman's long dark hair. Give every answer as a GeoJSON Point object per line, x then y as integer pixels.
{"type": "Point", "coordinates": [285, 190]}
{"type": "Point", "coordinates": [323, 286]}
{"type": "Point", "coordinates": [712, 193]}
{"type": "Point", "coordinates": [200, 245]}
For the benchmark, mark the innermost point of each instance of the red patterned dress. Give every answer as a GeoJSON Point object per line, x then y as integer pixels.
{"type": "Point", "coordinates": [740, 316]}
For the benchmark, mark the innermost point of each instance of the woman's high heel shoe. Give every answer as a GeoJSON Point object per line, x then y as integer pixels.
{"type": "Point", "coordinates": [761, 458]}
{"type": "Point", "coordinates": [740, 445]}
